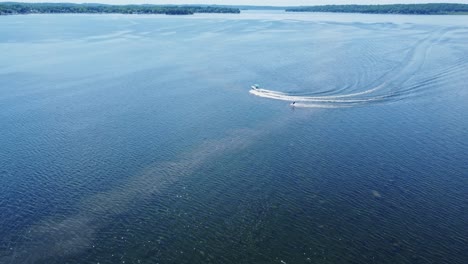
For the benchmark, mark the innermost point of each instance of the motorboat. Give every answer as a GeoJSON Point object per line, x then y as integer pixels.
{"type": "Point", "coordinates": [255, 87]}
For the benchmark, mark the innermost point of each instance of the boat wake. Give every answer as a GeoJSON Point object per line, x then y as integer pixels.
{"type": "Point", "coordinates": [392, 86]}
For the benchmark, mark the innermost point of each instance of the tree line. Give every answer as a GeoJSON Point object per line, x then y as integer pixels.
{"type": "Point", "coordinates": [419, 9]}
{"type": "Point", "coordinates": [9, 8]}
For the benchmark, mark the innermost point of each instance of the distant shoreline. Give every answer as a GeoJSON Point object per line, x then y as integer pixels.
{"type": "Point", "coordinates": [403, 9]}
{"type": "Point", "coordinates": [13, 8]}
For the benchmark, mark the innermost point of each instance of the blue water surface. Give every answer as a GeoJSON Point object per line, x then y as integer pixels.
{"type": "Point", "coordinates": [137, 139]}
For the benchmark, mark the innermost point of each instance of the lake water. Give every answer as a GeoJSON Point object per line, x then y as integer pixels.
{"type": "Point", "coordinates": [137, 139]}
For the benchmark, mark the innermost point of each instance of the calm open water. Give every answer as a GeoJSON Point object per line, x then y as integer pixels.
{"type": "Point", "coordinates": [135, 139]}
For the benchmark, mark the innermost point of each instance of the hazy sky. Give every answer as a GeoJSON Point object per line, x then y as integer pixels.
{"type": "Point", "coordinates": [249, 2]}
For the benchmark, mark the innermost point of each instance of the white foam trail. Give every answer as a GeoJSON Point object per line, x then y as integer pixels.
{"type": "Point", "coordinates": [259, 92]}
{"type": "Point", "coordinates": [328, 106]}
{"type": "Point", "coordinates": [317, 99]}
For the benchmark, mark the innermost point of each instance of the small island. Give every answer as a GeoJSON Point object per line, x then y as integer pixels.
{"type": "Point", "coordinates": [10, 8]}
{"type": "Point", "coordinates": [411, 9]}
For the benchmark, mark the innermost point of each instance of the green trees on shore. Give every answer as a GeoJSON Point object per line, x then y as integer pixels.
{"type": "Point", "coordinates": [420, 9]}
{"type": "Point", "coordinates": [9, 8]}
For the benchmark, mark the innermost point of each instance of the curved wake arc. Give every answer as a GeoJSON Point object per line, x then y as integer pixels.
{"type": "Point", "coordinates": [391, 88]}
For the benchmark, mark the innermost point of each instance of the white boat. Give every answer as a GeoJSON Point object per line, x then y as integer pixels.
{"type": "Point", "coordinates": [255, 87]}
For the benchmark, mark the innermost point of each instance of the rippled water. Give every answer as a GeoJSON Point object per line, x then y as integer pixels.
{"type": "Point", "coordinates": [137, 139]}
